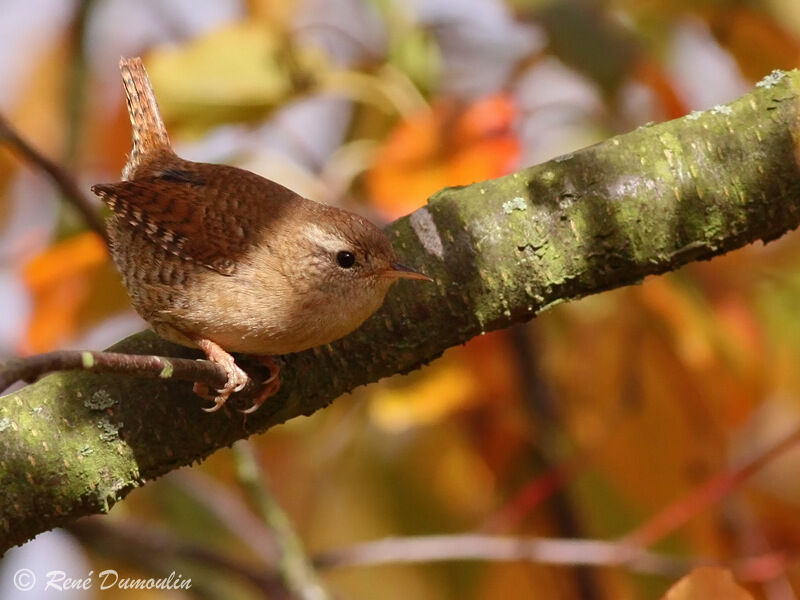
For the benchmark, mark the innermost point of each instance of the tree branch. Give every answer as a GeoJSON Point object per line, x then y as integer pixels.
{"type": "Point", "coordinates": [501, 251]}
{"type": "Point", "coordinates": [178, 369]}
{"type": "Point", "coordinates": [63, 180]}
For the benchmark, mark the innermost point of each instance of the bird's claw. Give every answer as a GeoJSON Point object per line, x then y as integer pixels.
{"type": "Point", "coordinates": [237, 380]}
{"type": "Point", "coordinates": [271, 385]}
{"type": "Point", "coordinates": [219, 402]}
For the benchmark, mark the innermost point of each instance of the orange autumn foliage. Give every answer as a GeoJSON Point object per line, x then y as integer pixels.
{"type": "Point", "coordinates": [740, 29]}
{"type": "Point", "coordinates": [444, 146]}
{"type": "Point", "coordinates": [653, 75]}
{"type": "Point", "coordinates": [60, 280]}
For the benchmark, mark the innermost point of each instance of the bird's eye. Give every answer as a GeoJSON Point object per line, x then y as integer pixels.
{"type": "Point", "coordinates": [345, 259]}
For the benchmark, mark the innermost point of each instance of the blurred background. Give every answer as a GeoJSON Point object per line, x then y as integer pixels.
{"type": "Point", "coordinates": [586, 423]}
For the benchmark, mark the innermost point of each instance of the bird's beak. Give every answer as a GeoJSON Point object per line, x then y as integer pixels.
{"type": "Point", "coordinates": [398, 271]}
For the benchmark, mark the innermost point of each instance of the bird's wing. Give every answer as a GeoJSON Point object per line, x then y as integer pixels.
{"type": "Point", "coordinates": [210, 216]}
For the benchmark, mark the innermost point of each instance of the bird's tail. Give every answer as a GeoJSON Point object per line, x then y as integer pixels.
{"type": "Point", "coordinates": [149, 132]}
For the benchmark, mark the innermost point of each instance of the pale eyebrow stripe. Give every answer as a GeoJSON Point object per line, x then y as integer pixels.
{"type": "Point", "coordinates": [325, 239]}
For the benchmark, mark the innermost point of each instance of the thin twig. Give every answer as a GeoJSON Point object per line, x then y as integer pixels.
{"type": "Point", "coordinates": [542, 550]}
{"type": "Point", "coordinates": [180, 369]}
{"type": "Point", "coordinates": [558, 470]}
{"type": "Point", "coordinates": [65, 182]}
{"type": "Point", "coordinates": [153, 548]}
{"type": "Point", "coordinates": [75, 93]}
{"type": "Point", "coordinates": [699, 498]}
{"type": "Point", "coordinates": [293, 565]}
{"type": "Point", "coordinates": [552, 551]}
{"type": "Point", "coordinates": [141, 540]}
{"type": "Point", "coordinates": [229, 509]}
{"type": "Point", "coordinates": [533, 494]}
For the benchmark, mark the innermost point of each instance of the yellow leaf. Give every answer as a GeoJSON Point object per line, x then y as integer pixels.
{"type": "Point", "coordinates": [443, 391]}
{"type": "Point", "coordinates": [233, 73]}
{"type": "Point", "coordinates": [707, 583]}
{"type": "Point", "coordinates": [479, 373]}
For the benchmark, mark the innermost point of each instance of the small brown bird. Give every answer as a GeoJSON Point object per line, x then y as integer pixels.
{"type": "Point", "coordinates": [221, 259]}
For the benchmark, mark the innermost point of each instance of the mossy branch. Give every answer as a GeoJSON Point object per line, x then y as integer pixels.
{"type": "Point", "coordinates": [501, 251]}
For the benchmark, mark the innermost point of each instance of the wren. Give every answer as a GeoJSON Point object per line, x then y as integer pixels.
{"type": "Point", "coordinates": [221, 259]}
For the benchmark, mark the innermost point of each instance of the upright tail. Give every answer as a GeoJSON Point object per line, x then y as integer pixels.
{"type": "Point", "coordinates": [149, 132]}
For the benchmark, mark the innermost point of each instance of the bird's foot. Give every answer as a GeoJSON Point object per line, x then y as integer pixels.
{"type": "Point", "coordinates": [236, 377]}
{"type": "Point", "coordinates": [271, 385]}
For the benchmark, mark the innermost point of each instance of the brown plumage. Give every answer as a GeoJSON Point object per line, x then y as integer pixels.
{"type": "Point", "coordinates": [225, 260]}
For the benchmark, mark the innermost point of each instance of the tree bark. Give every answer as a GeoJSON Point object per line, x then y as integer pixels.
{"type": "Point", "coordinates": [501, 251]}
